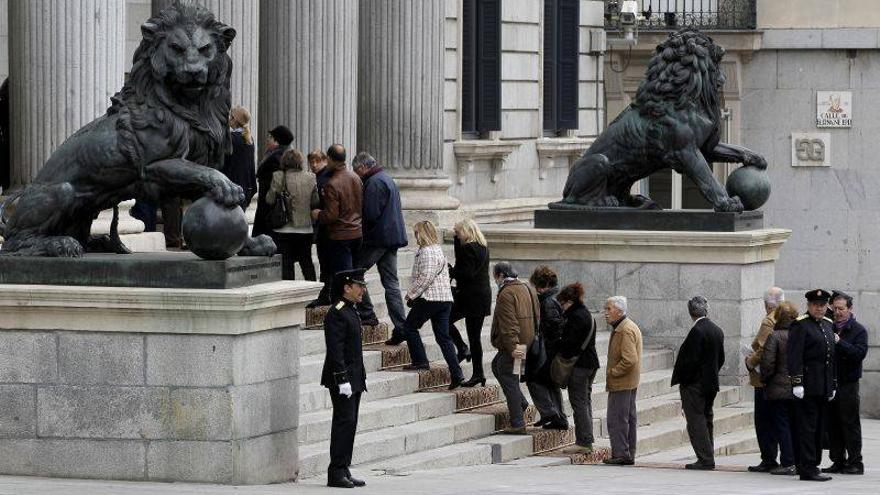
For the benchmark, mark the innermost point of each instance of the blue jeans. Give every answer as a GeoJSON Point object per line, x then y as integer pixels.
{"type": "Point", "coordinates": [438, 313]}
{"type": "Point", "coordinates": [385, 260]}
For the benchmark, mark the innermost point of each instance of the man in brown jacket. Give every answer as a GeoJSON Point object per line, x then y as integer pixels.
{"type": "Point", "coordinates": [340, 214]}
{"type": "Point", "coordinates": [513, 329]}
{"type": "Point", "coordinates": [764, 429]}
{"type": "Point", "coordinates": [622, 381]}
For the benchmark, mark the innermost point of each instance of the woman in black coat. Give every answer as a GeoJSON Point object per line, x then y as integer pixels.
{"type": "Point", "coordinates": [276, 144]}
{"type": "Point", "coordinates": [239, 166]}
{"type": "Point", "coordinates": [472, 295]}
{"type": "Point", "coordinates": [578, 326]}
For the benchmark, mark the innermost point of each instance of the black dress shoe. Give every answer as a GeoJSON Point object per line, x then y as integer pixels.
{"type": "Point", "coordinates": [834, 468]}
{"type": "Point", "coordinates": [543, 421]}
{"type": "Point", "coordinates": [357, 482]}
{"type": "Point", "coordinates": [815, 477]}
{"type": "Point", "coordinates": [619, 461]}
{"type": "Point", "coordinates": [763, 468]}
{"type": "Point", "coordinates": [395, 340]}
{"type": "Point", "coordinates": [556, 424]}
{"type": "Point", "coordinates": [340, 483]}
{"type": "Point", "coordinates": [370, 322]}
{"type": "Point", "coordinates": [456, 382]}
{"type": "Point", "coordinates": [699, 466]}
{"type": "Point", "coordinates": [474, 381]}
{"type": "Point", "coordinates": [415, 367]}
{"type": "Point", "coordinates": [855, 468]}
{"type": "Point", "coordinates": [464, 354]}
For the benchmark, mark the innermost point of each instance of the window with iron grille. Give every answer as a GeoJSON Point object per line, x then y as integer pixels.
{"type": "Point", "coordinates": [561, 26]}
{"type": "Point", "coordinates": [711, 15]}
{"type": "Point", "coordinates": [481, 67]}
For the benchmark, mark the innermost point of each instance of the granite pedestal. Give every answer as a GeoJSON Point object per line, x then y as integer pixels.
{"type": "Point", "coordinates": [141, 383]}
{"type": "Point", "coordinates": [659, 272]}
{"type": "Point", "coordinates": [578, 217]}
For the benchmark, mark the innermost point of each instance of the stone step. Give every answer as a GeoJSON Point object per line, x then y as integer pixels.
{"type": "Point", "coordinates": [734, 443]}
{"type": "Point", "coordinates": [380, 385]}
{"type": "Point", "coordinates": [395, 411]}
{"type": "Point", "coordinates": [672, 433]}
{"type": "Point", "coordinates": [311, 340]}
{"type": "Point", "coordinates": [397, 441]}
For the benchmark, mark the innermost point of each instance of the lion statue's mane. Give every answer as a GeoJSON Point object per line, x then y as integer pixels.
{"type": "Point", "coordinates": [674, 122]}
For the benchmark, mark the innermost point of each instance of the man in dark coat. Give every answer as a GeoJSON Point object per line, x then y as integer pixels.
{"type": "Point", "coordinates": [813, 378]}
{"type": "Point", "coordinates": [384, 233]}
{"type": "Point", "coordinates": [344, 374]}
{"type": "Point", "coordinates": [277, 143]}
{"type": "Point", "coordinates": [850, 349]}
{"type": "Point", "coordinates": [699, 360]}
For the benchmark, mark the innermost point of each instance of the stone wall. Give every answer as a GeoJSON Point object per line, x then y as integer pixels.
{"type": "Point", "coordinates": [834, 211]}
{"type": "Point", "coordinates": [203, 408]}
{"type": "Point", "coordinates": [195, 385]}
{"type": "Point", "coordinates": [521, 88]}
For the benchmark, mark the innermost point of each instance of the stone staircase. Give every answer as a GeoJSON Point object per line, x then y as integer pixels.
{"type": "Point", "coordinates": [409, 421]}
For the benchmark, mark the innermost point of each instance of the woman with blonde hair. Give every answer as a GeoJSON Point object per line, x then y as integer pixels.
{"type": "Point", "coordinates": [430, 298]}
{"type": "Point", "coordinates": [240, 166]}
{"type": "Point", "coordinates": [472, 296]}
{"type": "Point", "coordinates": [294, 239]}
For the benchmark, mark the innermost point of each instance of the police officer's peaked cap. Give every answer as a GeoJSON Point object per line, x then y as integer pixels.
{"type": "Point", "coordinates": [818, 295]}
{"type": "Point", "coordinates": [346, 277]}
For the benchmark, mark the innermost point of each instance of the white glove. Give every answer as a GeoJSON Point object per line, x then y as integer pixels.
{"type": "Point", "coordinates": [833, 395]}
{"type": "Point", "coordinates": [345, 389]}
{"type": "Point", "coordinates": [798, 392]}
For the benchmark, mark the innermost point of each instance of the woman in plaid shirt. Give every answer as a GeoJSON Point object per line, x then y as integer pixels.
{"type": "Point", "coordinates": [430, 298]}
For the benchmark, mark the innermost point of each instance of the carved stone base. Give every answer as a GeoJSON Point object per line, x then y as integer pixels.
{"type": "Point", "coordinates": [545, 440]}
{"type": "Point", "coordinates": [594, 457]}
{"type": "Point", "coordinates": [437, 376]}
{"type": "Point", "coordinates": [502, 416]}
{"type": "Point", "coordinates": [393, 356]}
{"type": "Point", "coordinates": [375, 334]}
{"type": "Point", "coordinates": [471, 398]}
{"type": "Point", "coordinates": [315, 316]}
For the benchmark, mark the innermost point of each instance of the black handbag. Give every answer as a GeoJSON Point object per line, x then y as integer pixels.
{"type": "Point", "coordinates": [279, 215]}
{"type": "Point", "coordinates": [561, 367]}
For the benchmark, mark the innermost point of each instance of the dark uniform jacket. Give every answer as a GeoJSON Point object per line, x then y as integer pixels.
{"type": "Point", "coordinates": [344, 362]}
{"type": "Point", "coordinates": [700, 357]}
{"type": "Point", "coordinates": [811, 356]}
{"type": "Point", "coordinates": [851, 351]}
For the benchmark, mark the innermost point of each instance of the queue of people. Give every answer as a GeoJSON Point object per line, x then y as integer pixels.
{"type": "Point", "coordinates": [805, 369]}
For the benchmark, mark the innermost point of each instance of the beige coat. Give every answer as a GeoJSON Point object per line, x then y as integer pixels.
{"type": "Point", "coordinates": [624, 357]}
{"type": "Point", "coordinates": [755, 357]}
{"type": "Point", "coordinates": [300, 186]}
{"type": "Point", "coordinates": [516, 311]}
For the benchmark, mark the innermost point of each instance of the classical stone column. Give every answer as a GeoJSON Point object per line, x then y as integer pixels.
{"type": "Point", "coordinates": [400, 97]}
{"type": "Point", "coordinates": [308, 70]}
{"type": "Point", "coordinates": [244, 16]}
{"type": "Point", "coordinates": [66, 61]}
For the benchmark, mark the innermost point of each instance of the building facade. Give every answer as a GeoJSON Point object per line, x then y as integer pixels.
{"type": "Point", "coordinates": [783, 68]}
{"type": "Point", "coordinates": [391, 77]}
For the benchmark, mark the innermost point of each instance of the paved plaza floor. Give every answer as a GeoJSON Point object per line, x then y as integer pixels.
{"type": "Point", "coordinates": [535, 476]}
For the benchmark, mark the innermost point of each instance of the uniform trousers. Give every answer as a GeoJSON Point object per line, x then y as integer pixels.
{"type": "Point", "coordinates": [809, 416]}
{"type": "Point", "coordinates": [622, 423]}
{"type": "Point", "coordinates": [697, 406]}
{"type": "Point", "coordinates": [342, 430]}
{"type": "Point", "coordinates": [845, 426]}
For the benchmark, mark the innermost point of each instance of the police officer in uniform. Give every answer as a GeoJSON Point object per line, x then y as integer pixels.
{"type": "Point", "coordinates": [344, 374]}
{"type": "Point", "coordinates": [814, 381]}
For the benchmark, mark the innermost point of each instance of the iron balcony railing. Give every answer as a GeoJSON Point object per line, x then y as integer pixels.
{"type": "Point", "coordinates": [670, 15]}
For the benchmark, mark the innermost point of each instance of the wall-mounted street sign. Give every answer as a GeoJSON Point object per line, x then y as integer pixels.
{"type": "Point", "coordinates": [833, 109]}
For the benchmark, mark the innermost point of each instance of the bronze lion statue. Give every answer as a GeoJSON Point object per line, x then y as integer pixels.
{"type": "Point", "coordinates": [164, 135]}
{"type": "Point", "coordinates": [674, 122]}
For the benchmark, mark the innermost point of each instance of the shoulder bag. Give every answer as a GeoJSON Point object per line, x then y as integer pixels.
{"type": "Point", "coordinates": [561, 367]}
{"type": "Point", "coordinates": [536, 354]}
{"type": "Point", "coordinates": [280, 214]}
